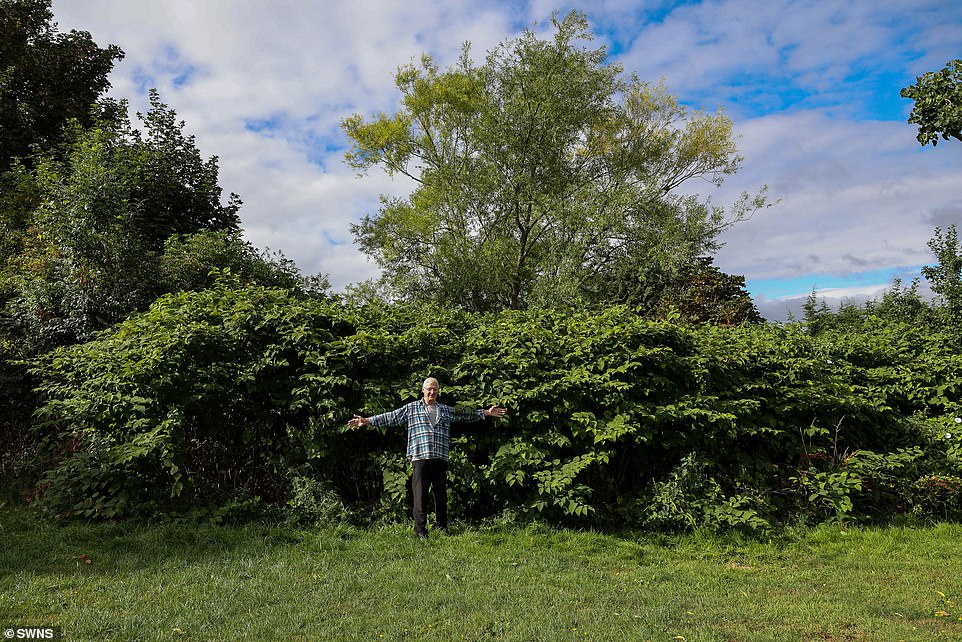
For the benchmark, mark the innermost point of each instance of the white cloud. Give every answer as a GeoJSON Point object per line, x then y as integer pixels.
{"type": "Point", "coordinates": [855, 196]}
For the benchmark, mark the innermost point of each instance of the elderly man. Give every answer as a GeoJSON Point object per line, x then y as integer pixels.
{"type": "Point", "coordinates": [429, 438]}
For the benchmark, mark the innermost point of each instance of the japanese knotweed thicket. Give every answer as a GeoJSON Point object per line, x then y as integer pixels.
{"type": "Point", "coordinates": [233, 394]}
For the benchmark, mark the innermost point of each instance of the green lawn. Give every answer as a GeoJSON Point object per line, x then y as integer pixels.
{"type": "Point", "coordinates": [189, 582]}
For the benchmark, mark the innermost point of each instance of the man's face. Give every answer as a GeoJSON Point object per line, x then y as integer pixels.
{"type": "Point", "coordinates": [430, 390]}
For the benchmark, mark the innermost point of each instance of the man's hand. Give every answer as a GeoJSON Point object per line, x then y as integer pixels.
{"type": "Point", "coordinates": [495, 411]}
{"type": "Point", "coordinates": [358, 421]}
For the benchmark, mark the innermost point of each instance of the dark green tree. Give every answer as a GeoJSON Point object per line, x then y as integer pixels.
{"type": "Point", "coordinates": [104, 213]}
{"type": "Point", "coordinates": [899, 304]}
{"type": "Point", "coordinates": [195, 262]}
{"type": "Point", "coordinates": [704, 294]}
{"type": "Point", "coordinates": [47, 78]}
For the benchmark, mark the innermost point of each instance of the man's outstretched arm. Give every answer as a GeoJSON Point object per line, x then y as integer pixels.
{"type": "Point", "coordinates": [479, 414]}
{"type": "Point", "coordinates": [394, 418]}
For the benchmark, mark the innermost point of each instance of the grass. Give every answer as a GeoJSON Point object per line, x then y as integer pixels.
{"type": "Point", "coordinates": [190, 582]}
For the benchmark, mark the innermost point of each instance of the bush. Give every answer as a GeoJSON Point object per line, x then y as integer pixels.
{"type": "Point", "coordinates": [233, 392]}
{"type": "Point", "coordinates": [207, 396]}
{"type": "Point", "coordinates": [314, 501]}
{"type": "Point", "coordinates": [691, 499]}
{"type": "Point", "coordinates": [937, 498]}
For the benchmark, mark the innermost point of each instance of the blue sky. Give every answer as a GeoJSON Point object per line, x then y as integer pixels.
{"type": "Point", "coordinates": [812, 88]}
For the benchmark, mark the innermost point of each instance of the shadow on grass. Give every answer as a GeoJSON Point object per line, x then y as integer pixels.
{"type": "Point", "coordinates": [36, 545]}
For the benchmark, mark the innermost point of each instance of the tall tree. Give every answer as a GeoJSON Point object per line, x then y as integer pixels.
{"type": "Point", "coordinates": [946, 275]}
{"type": "Point", "coordinates": [704, 294]}
{"type": "Point", "coordinates": [103, 216]}
{"type": "Point", "coordinates": [46, 78]}
{"type": "Point", "coordinates": [541, 176]}
{"type": "Point", "coordinates": [938, 103]}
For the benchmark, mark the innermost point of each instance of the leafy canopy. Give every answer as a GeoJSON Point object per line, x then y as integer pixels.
{"type": "Point", "coordinates": [938, 103]}
{"type": "Point", "coordinates": [102, 217]}
{"type": "Point", "coordinates": [544, 176]}
{"type": "Point", "coordinates": [46, 78]}
{"type": "Point", "coordinates": [946, 275]}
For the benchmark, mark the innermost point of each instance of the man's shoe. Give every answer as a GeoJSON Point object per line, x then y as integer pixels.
{"type": "Point", "coordinates": [421, 534]}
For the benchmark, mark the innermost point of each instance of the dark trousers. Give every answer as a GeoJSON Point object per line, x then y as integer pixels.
{"type": "Point", "coordinates": [430, 476]}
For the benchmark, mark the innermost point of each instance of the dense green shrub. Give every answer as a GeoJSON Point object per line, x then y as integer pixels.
{"type": "Point", "coordinates": [315, 501]}
{"type": "Point", "coordinates": [615, 420]}
{"type": "Point", "coordinates": [18, 460]}
{"type": "Point", "coordinates": [937, 497]}
{"type": "Point", "coordinates": [690, 497]}
{"type": "Point", "coordinates": [206, 395]}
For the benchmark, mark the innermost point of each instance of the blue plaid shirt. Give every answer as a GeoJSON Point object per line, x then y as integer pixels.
{"type": "Point", "coordinates": [424, 440]}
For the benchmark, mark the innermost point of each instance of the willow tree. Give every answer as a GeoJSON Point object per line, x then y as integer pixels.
{"type": "Point", "coordinates": [544, 176]}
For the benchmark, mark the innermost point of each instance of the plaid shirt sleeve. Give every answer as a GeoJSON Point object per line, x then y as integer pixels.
{"type": "Point", "coordinates": [468, 417]}
{"type": "Point", "coordinates": [395, 418]}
